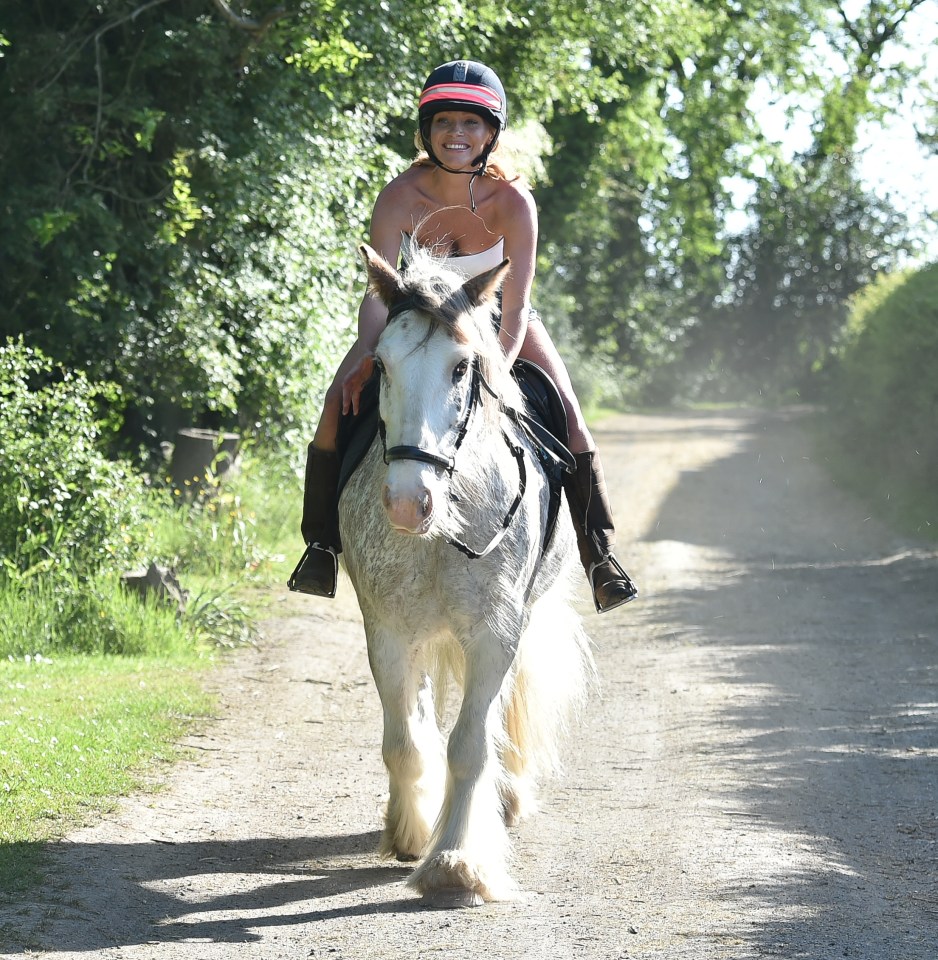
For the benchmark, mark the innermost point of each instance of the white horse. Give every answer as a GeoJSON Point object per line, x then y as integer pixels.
{"type": "Point", "coordinates": [443, 526]}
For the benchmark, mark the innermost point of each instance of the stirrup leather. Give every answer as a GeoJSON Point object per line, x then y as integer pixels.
{"type": "Point", "coordinates": [317, 573]}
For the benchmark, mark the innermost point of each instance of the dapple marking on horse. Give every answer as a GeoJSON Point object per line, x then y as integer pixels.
{"type": "Point", "coordinates": [501, 624]}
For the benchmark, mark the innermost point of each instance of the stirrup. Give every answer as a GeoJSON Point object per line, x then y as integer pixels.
{"type": "Point", "coordinates": [317, 573]}
{"type": "Point", "coordinates": [615, 587]}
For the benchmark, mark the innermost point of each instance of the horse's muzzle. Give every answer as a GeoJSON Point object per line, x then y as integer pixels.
{"type": "Point", "coordinates": [408, 511]}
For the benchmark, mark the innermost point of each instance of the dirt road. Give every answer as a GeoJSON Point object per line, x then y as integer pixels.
{"type": "Point", "coordinates": [758, 778]}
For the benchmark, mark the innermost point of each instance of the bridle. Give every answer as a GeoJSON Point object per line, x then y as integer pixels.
{"type": "Point", "coordinates": [448, 463]}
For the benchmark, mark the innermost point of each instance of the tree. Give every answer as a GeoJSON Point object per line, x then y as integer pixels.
{"type": "Point", "coordinates": [634, 217]}
{"type": "Point", "coordinates": [816, 235]}
{"type": "Point", "coordinates": [184, 183]}
{"type": "Point", "coordinates": [815, 238]}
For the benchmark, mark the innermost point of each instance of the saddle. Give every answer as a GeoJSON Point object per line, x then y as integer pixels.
{"type": "Point", "coordinates": [544, 421]}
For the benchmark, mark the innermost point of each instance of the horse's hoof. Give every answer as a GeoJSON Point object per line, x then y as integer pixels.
{"type": "Point", "coordinates": [453, 899]}
{"type": "Point", "coordinates": [406, 857]}
{"type": "Point", "coordinates": [449, 879]}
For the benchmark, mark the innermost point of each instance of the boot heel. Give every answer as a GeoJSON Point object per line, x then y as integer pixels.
{"type": "Point", "coordinates": [591, 513]}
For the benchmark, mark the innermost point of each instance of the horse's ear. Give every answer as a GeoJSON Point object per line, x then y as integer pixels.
{"type": "Point", "coordinates": [482, 288]}
{"type": "Point", "coordinates": [385, 280]}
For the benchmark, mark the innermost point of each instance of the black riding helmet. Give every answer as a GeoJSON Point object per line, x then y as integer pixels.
{"type": "Point", "coordinates": [468, 86]}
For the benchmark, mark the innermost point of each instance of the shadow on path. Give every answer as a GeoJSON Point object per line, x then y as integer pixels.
{"type": "Point", "coordinates": [243, 886]}
{"type": "Point", "coordinates": [823, 629]}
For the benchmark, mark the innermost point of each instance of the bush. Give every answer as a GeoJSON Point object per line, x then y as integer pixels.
{"type": "Point", "coordinates": [884, 394]}
{"type": "Point", "coordinates": [63, 503]}
{"type": "Point", "coordinates": [237, 527]}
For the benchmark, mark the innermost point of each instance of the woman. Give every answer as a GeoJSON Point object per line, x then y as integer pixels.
{"type": "Point", "coordinates": [475, 223]}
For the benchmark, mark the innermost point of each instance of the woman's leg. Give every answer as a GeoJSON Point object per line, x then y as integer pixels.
{"type": "Point", "coordinates": [586, 488]}
{"type": "Point", "coordinates": [328, 426]}
{"type": "Point", "coordinates": [317, 571]}
{"type": "Point", "coordinates": [539, 348]}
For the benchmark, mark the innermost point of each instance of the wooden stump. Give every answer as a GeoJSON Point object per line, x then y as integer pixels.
{"type": "Point", "coordinates": [160, 581]}
{"type": "Point", "coordinates": [199, 454]}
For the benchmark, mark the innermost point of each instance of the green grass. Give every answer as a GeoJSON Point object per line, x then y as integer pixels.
{"type": "Point", "coordinates": [56, 613]}
{"type": "Point", "coordinates": [97, 685]}
{"type": "Point", "coordinates": [77, 731]}
{"type": "Point", "coordinates": [242, 532]}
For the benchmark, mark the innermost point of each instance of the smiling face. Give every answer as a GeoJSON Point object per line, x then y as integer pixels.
{"type": "Point", "coordinates": [458, 138]}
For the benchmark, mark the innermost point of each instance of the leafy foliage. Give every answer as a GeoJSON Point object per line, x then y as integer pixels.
{"type": "Point", "coordinates": [182, 201]}
{"type": "Point", "coordinates": [63, 504]}
{"type": "Point", "coordinates": [885, 392]}
{"type": "Point", "coordinates": [816, 238]}
{"type": "Point", "coordinates": [644, 180]}
{"type": "Point", "coordinates": [185, 182]}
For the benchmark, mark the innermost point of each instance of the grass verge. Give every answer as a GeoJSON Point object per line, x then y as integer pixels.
{"type": "Point", "coordinates": [77, 731]}
{"type": "Point", "coordinates": [97, 684]}
{"type": "Point", "coordinates": [893, 495]}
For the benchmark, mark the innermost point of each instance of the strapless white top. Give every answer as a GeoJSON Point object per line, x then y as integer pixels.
{"type": "Point", "coordinates": [468, 265]}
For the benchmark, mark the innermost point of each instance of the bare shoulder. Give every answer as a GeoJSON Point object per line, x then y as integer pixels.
{"type": "Point", "coordinates": [514, 208]}
{"type": "Point", "coordinates": [402, 203]}
{"type": "Point", "coordinates": [407, 191]}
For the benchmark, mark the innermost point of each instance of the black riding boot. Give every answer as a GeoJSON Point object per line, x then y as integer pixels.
{"type": "Point", "coordinates": [595, 533]}
{"type": "Point", "coordinates": [318, 569]}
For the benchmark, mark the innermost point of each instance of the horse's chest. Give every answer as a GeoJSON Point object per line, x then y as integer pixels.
{"type": "Point", "coordinates": [402, 570]}
{"type": "Point", "coordinates": [390, 569]}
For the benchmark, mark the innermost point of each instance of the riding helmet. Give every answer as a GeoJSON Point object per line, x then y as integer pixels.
{"type": "Point", "coordinates": [465, 85]}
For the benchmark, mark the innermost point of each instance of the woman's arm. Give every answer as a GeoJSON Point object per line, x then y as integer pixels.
{"type": "Point", "coordinates": [518, 216]}
{"type": "Point", "coordinates": [385, 237]}
{"type": "Point", "coordinates": [387, 227]}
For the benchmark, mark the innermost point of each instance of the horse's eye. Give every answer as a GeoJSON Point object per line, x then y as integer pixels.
{"type": "Point", "coordinates": [460, 370]}
{"type": "Point", "coordinates": [379, 366]}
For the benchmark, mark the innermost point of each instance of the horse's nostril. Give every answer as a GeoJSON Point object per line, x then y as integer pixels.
{"type": "Point", "coordinates": [386, 497]}
{"type": "Point", "coordinates": [426, 505]}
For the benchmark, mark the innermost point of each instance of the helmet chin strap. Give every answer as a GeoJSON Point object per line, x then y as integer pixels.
{"type": "Point", "coordinates": [472, 174]}
{"type": "Point", "coordinates": [482, 162]}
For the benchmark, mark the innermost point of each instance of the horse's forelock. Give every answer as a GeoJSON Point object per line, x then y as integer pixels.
{"type": "Point", "coordinates": [437, 293]}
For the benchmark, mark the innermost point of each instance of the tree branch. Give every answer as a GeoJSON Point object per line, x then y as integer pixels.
{"type": "Point", "coordinates": [96, 36]}
{"type": "Point", "coordinates": [880, 27]}
{"type": "Point", "coordinates": [256, 27]}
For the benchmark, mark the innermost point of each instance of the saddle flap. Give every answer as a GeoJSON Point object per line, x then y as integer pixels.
{"type": "Point", "coordinates": [542, 398]}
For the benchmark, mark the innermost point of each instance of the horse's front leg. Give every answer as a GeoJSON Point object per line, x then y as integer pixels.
{"type": "Point", "coordinates": [412, 745]}
{"type": "Point", "coordinates": [468, 861]}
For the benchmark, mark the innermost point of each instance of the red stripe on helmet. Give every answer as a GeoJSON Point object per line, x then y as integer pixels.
{"type": "Point", "coordinates": [462, 92]}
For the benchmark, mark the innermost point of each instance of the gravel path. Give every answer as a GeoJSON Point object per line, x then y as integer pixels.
{"type": "Point", "coordinates": [757, 778]}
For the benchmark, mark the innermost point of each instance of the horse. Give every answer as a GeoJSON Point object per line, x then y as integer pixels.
{"type": "Point", "coordinates": [444, 531]}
